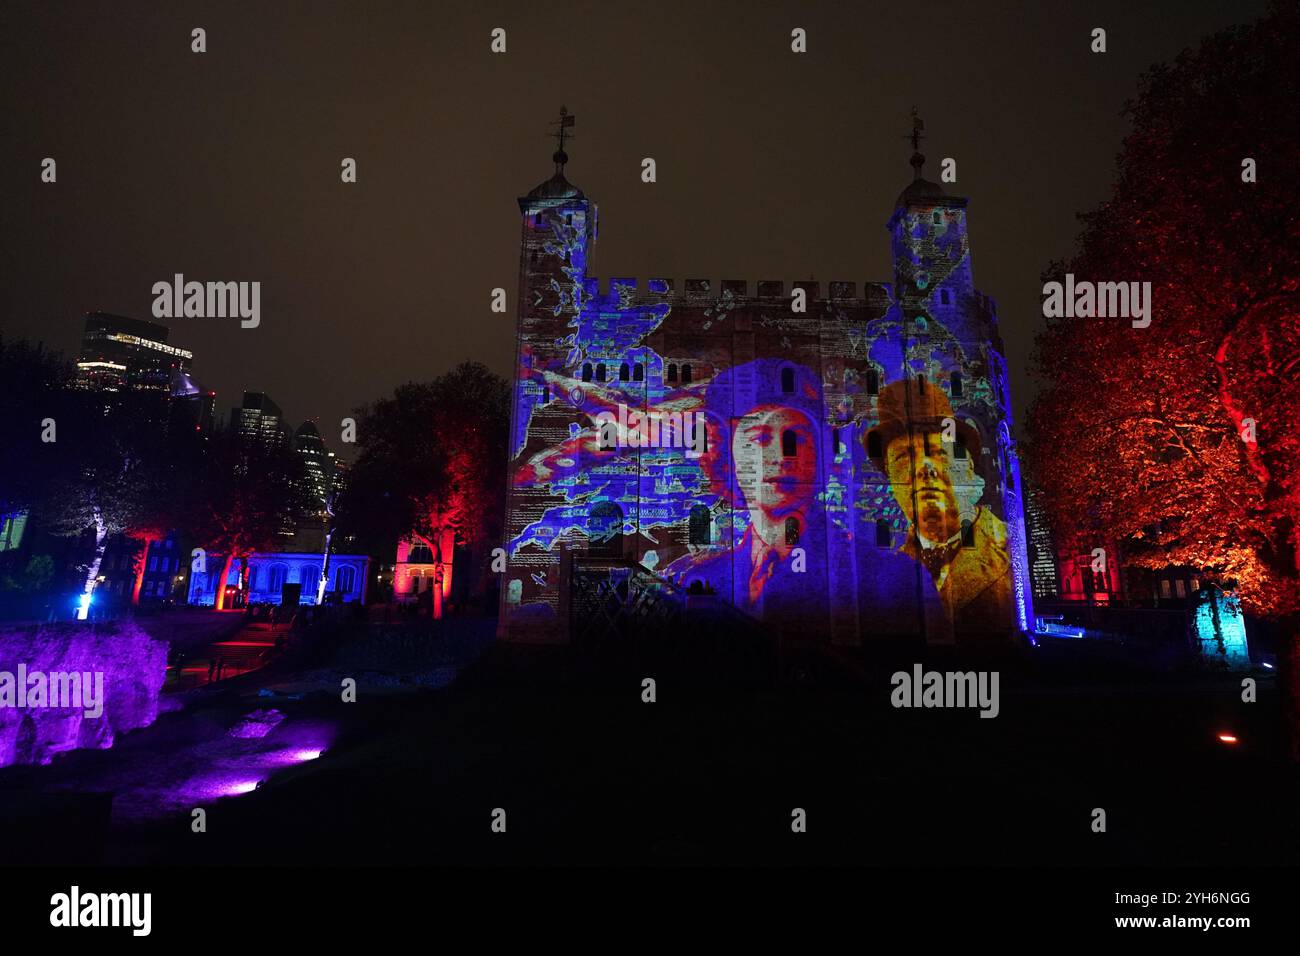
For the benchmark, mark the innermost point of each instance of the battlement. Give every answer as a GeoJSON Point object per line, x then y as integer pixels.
{"type": "Point", "coordinates": [695, 290]}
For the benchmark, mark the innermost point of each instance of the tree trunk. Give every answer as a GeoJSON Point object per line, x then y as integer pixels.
{"type": "Point", "coordinates": [219, 603]}
{"type": "Point", "coordinates": [139, 574]}
{"type": "Point", "coordinates": [101, 534]}
{"type": "Point", "coordinates": [447, 554]}
{"type": "Point", "coordinates": [324, 569]}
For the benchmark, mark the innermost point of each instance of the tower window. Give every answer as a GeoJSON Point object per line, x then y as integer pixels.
{"type": "Point", "coordinates": [787, 380]}
{"type": "Point", "coordinates": [638, 372]}
{"type": "Point", "coordinates": [624, 372]}
{"type": "Point", "coordinates": [701, 527]}
{"type": "Point", "coordinates": [586, 371]}
{"type": "Point", "coordinates": [792, 530]}
{"type": "Point", "coordinates": [789, 443]}
{"type": "Point", "coordinates": [955, 379]}
{"type": "Point", "coordinates": [600, 372]}
{"type": "Point", "coordinates": [884, 534]}
{"type": "Point", "coordinates": [686, 374]}
{"type": "Point", "coordinates": [672, 372]}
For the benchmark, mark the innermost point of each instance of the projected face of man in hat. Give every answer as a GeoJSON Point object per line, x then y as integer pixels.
{"type": "Point", "coordinates": [920, 467]}
{"type": "Point", "coordinates": [929, 456]}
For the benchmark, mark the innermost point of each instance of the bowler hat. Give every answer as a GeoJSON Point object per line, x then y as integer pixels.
{"type": "Point", "coordinates": [925, 405]}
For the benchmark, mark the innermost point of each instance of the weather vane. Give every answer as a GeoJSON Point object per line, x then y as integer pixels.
{"type": "Point", "coordinates": [916, 135]}
{"type": "Point", "coordinates": [564, 122]}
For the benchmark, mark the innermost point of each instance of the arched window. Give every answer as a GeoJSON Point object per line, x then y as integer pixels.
{"type": "Point", "coordinates": [310, 578]}
{"type": "Point", "coordinates": [686, 375]}
{"type": "Point", "coordinates": [638, 372]}
{"type": "Point", "coordinates": [586, 371]}
{"type": "Point", "coordinates": [600, 372]}
{"type": "Point", "coordinates": [624, 372]}
{"type": "Point", "coordinates": [787, 381]}
{"type": "Point", "coordinates": [701, 525]}
{"type": "Point", "coordinates": [967, 534]}
{"type": "Point", "coordinates": [955, 379]}
{"type": "Point", "coordinates": [607, 434]}
{"type": "Point", "coordinates": [605, 530]}
{"type": "Point", "coordinates": [792, 530]}
{"type": "Point", "coordinates": [672, 372]}
{"type": "Point", "coordinates": [345, 579]}
{"type": "Point", "coordinates": [789, 443]}
{"type": "Point", "coordinates": [873, 382]}
{"type": "Point", "coordinates": [884, 534]}
{"type": "Point", "coordinates": [875, 447]}
{"type": "Point", "coordinates": [276, 584]}
{"type": "Point", "coordinates": [420, 554]}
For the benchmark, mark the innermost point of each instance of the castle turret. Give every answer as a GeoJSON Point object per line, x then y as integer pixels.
{"type": "Point", "coordinates": [558, 230]}
{"type": "Point", "coordinates": [932, 267]}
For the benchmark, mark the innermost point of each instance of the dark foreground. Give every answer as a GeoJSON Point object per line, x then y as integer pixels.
{"type": "Point", "coordinates": [711, 772]}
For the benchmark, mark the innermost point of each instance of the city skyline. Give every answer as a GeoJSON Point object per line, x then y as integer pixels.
{"type": "Point", "coordinates": [366, 286]}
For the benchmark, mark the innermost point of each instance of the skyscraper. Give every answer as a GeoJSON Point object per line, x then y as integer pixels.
{"type": "Point", "coordinates": [123, 353]}
{"type": "Point", "coordinates": [261, 423]}
{"type": "Point", "coordinates": [318, 473]}
{"type": "Point", "coordinates": [1042, 549]}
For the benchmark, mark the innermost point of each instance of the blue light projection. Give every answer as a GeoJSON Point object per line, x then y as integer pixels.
{"type": "Point", "coordinates": [857, 475]}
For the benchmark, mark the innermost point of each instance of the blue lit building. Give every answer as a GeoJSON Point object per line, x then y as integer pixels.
{"type": "Point", "coordinates": [855, 477]}
{"type": "Point", "coordinates": [275, 575]}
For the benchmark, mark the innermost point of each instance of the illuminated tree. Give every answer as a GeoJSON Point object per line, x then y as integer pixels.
{"type": "Point", "coordinates": [238, 502]}
{"type": "Point", "coordinates": [431, 465]}
{"type": "Point", "coordinates": [1183, 438]}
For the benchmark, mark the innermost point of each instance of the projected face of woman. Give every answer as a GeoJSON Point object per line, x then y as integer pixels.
{"type": "Point", "coordinates": [776, 468]}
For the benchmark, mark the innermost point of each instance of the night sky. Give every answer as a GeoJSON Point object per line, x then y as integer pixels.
{"type": "Point", "coordinates": [225, 165]}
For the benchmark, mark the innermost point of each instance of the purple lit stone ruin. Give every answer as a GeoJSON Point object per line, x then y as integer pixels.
{"type": "Point", "coordinates": [68, 686]}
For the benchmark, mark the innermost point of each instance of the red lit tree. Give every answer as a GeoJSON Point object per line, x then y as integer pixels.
{"type": "Point", "coordinates": [241, 500]}
{"type": "Point", "coordinates": [1183, 438]}
{"type": "Point", "coordinates": [431, 465]}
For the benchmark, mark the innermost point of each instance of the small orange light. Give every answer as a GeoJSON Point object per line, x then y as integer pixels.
{"type": "Point", "coordinates": [1227, 738]}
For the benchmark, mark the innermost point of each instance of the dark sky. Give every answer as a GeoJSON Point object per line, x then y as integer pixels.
{"type": "Point", "coordinates": [225, 165]}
